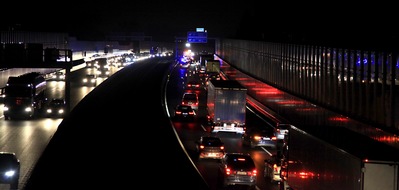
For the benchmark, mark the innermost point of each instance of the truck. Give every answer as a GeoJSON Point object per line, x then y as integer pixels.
{"type": "Point", "coordinates": [226, 106]}
{"type": "Point", "coordinates": [205, 57]}
{"type": "Point", "coordinates": [337, 159]}
{"type": "Point", "coordinates": [212, 69]}
{"type": "Point", "coordinates": [24, 95]}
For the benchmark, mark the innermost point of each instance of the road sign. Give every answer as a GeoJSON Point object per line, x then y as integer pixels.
{"type": "Point", "coordinates": [197, 40]}
{"type": "Point", "coordinates": [197, 37]}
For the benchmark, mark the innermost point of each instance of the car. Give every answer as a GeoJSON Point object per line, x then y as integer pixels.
{"type": "Point", "coordinates": [184, 112]}
{"type": "Point", "coordinates": [190, 99]}
{"type": "Point", "coordinates": [90, 80]}
{"type": "Point", "coordinates": [237, 169]}
{"type": "Point", "coordinates": [57, 76]}
{"type": "Point", "coordinates": [281, 130]}
{"type": "Point", "coordinates": [255, 137]}
{"type": "Point", "coordinates": [56, 107]}
{"type": "Point", "coordinates": [272, 169]}
{"type": "Point", "coordinates": [194, 85]}
{"type": "Point", "coordinates": [9, 169]}
{"type": "Point", "coordinates": [210, 147]}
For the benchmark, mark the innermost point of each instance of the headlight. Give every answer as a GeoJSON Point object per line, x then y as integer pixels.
{"type": "Point", "coordinates": [10, 173]}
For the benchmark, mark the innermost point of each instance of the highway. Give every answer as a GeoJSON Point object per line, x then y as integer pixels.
{"type": "Point", "coordinates": [121, 126]}
{"type": "Point", "coordinates": [41, 131]}
{"type": "Point", "coordinates": [28, 138]}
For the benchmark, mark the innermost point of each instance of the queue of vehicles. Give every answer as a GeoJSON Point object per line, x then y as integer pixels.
{"type": "Point", "coordinates": [226, 113]}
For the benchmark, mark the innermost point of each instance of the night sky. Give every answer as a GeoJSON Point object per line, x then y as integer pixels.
{"type": "Point", "coordinates": [162, 20]}
{"type": "Point", "coordinates": [331, 23]}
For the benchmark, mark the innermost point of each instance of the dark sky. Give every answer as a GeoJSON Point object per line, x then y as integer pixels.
{"type": "Point", "coordinates": [333, 22]}
{"type": "Point", "coordinates": [159, 19]}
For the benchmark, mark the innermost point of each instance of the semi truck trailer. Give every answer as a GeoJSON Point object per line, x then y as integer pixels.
{"type": "Point", "coordinates": [226, 105]}
{"type": "Point", "coordinates": [343, 160]}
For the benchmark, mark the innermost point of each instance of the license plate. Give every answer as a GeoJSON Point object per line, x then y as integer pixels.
{"type": "Point", "coordinates": [212, 154]}
{"type": "Point", "coordinates": [241, 173]}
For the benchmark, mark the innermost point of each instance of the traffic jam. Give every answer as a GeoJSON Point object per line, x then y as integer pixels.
{"type": "Point", "coordinates": [222, 139]}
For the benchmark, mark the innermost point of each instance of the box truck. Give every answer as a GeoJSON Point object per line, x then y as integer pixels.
{"type": "Point", "coordinates": [226, 105]}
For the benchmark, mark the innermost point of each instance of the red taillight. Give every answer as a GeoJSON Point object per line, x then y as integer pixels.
{"type": "Point", "coordinates": [303, 174]}
{"type": "Point", "coordinates": [228, 171]}
{"type": "Point", "coordinates": [275, 168]}
{"type": "Point", "coordinates": [221, 147]}
{"type": "Point", "coordinates": [274, 138]}
{"type": "Point", "coordinates": [178, 112]}
{"type": "Point", "coordinates": [201, 146]}
{"type": "Point", "coordinates": [191, 113]}
{"type": "Point", "coordinates": [253, 173]}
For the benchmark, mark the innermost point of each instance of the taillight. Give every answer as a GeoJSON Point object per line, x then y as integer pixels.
{"type": "Point", "coordinates": [228, 171]}
{"type": "Point", "coordinates": [274, 138]}
{"type": "Point", "coordinates": [257, 137]}
{"type": "Point", "coordinates": [221, 147]}
{"type": "Point", "coordinates": [275, 168]}
{"type": "Point", "coordinates": [253, 173]}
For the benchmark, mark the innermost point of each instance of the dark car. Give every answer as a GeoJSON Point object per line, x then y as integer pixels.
{"type": "Point", "coordinates": [210, 147]}
{"type": "Point", "coordinates": [184, 112]}
{"type": "Point", "coordinates": [237, 169]}
{"type": "Point", "coordinates": [9, 169]}
{"type": "Point", "coordinates": [56, 107]}
{"type": "Point", "coordinates": [259, 138]}
{"type": "Point", "coordinates": [194, 85]}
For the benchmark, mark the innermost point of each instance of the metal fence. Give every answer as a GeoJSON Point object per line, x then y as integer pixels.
{"type": "Point", "coordinates": [362, 84]}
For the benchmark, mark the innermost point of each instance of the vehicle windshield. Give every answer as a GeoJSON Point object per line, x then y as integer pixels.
{"type": "Point", "coordinates": [17, 91]}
